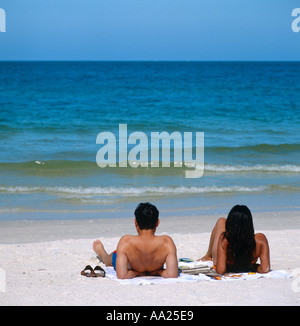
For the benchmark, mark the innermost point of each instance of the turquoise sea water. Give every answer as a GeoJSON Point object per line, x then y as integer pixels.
{"type": "Point", "coordinates": [52, 112]}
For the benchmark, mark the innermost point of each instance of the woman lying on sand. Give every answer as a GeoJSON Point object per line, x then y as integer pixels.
{"type": "Point", "coordinates": [234, 247]}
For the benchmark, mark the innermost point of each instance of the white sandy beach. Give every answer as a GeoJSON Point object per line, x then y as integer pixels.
{"type": "Point", "coordinates": [41, 262]}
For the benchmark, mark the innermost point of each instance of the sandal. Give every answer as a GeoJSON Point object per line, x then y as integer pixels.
{"type": "Point", "coordinates": [88, 271]}
{"type": "Point", "coordinates": [99, 272]}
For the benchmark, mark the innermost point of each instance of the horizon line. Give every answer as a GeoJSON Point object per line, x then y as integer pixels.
{"type": "Point", "coordinates": [140, 60]}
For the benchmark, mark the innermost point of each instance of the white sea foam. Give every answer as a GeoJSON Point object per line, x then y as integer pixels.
{"type": "Point", "coordinates": [223, 168]}
{"type": "Point", "coordinates": [129, 191]}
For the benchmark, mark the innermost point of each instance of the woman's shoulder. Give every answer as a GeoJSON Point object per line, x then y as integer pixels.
{"type": "Point", "coordinates": [260, 238]}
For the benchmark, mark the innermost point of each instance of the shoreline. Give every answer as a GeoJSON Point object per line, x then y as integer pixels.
{"type": "Point", "coordinates": [36, 231]}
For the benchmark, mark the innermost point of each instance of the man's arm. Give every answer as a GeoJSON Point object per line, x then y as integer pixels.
{"type": "Point", "coordinates": [122, 261]}
{"type": "Point", "coordinates": [171, 270]}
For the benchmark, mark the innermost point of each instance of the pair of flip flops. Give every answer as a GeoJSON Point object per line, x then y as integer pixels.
{"type": "Point", "coordinates": [88, 271]}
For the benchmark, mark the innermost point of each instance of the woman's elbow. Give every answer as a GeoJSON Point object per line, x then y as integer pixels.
{"type": "Point", "coordinates": [220, 270]}
{"type": "Point", "coordinates": [262, 270]}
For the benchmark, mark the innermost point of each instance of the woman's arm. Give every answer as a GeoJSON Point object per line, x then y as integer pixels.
{"type": "Point", "coordinates": [264, 254]}
{"type": "Point", "coordinates": [221, 255]}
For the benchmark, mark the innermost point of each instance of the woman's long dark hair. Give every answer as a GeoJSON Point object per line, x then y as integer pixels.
{"type": "Point", "coordinates": [240, 236]}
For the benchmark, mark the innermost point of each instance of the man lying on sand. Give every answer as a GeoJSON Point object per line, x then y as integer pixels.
{"type": "Point", "coordinates": [142, 254]}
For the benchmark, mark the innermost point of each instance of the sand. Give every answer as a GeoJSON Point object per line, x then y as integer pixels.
{"type": "Point", "coordinates": [40, 264]}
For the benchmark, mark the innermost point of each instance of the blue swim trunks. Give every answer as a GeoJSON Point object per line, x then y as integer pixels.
{"type": "Point", "coordinates": [114, 259]}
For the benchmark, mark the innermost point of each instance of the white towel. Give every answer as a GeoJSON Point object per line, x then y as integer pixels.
{"type": "Point", "coordinates": [146, 280]}
{"type": "Point", "coordinates": [195, 264]}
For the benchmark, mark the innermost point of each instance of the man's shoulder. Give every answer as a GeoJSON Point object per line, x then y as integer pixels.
{"type": "Point", "coordinates": [127, 236]}
{"type": "Point", "coordinates": [126, 239]}
{"type": "Point", "coordinates": [167, 240]}
{"type": "Point", "coordinates": [165, 237]}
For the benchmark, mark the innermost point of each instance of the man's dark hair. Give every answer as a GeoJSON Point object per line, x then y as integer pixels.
{"type": "Point", "coordinates": [146, 216]}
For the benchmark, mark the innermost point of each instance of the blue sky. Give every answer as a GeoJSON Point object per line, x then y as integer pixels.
{"type": "Point", "coordinates": [149, 30]}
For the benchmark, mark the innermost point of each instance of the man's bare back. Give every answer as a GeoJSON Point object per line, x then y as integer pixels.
{"type": "Point", "coordinates": [145, 253]}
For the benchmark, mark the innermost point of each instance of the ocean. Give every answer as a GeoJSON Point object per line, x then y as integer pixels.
{"type": "Point", "coordinates": [52, 112]}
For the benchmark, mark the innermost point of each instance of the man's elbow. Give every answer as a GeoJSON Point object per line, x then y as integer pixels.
{"type": "Point", "coordinates": [122, 276]}
{"type": "Point", "coordinates": [173, 274]}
